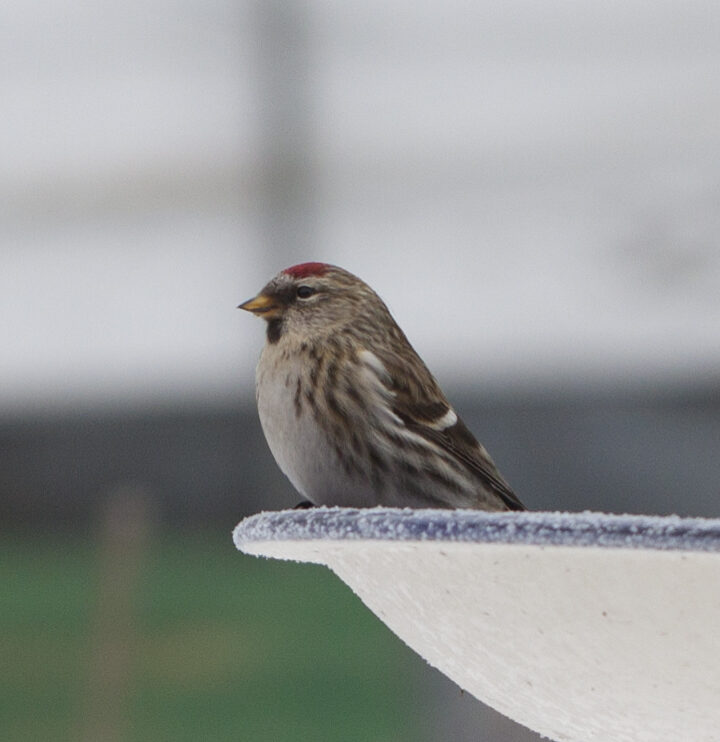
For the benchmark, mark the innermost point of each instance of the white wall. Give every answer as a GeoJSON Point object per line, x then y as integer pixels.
{"type": "Point", "coordinates": [534, 188]}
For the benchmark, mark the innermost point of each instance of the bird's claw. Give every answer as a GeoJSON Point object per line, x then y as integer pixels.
{"type": "Point", "coordinates": [304, 505]}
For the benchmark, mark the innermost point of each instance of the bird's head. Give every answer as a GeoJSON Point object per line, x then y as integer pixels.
{"type": "Point", "coordinates": [312, 300]}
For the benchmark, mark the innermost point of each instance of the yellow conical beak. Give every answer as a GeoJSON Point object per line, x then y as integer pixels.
{"type": "Point", "coordinates": [262, 304]}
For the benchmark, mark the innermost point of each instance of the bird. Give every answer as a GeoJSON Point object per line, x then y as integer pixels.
{"type": "Point", "coordinates": [350, 412]}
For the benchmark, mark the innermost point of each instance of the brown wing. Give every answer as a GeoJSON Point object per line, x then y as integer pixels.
{"type": "Point", "coordinates": [421, 405]}
{"type": "Point", "coordinates": [460, 442]}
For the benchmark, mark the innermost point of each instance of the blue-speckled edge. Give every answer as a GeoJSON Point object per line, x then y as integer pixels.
{"type": "Point", "coordinates": [472, 526]}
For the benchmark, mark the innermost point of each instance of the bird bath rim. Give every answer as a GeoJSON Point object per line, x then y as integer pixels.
{"type": "Point", "coordinates": [532, 528]}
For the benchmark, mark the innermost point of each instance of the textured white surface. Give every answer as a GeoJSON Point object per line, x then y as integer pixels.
{"type": "Point", "coordinates": [578, 642]}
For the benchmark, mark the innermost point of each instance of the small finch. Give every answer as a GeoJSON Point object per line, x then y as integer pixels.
{"type": "Point", "coordinates": [351, 413]}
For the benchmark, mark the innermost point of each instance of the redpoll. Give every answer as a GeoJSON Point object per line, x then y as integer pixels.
{"type": "Point", "coordinates": [351, 414]}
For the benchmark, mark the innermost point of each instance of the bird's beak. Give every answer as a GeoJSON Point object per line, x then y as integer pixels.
{"type": "Point", "coordinates": [262, 305]}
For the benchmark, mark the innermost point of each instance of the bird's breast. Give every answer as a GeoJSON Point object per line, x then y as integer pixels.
{"type": "Point", "coordinates": [295, 423]}
{"type": "Point", "coordinates": [290, 424]}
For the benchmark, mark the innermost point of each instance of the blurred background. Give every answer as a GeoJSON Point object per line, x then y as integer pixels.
{"type": "Point", "coordinates": [534, 189]}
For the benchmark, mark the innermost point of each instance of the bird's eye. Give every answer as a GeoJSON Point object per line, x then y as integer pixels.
{"type": "Point", "coordinates": [305, 292]}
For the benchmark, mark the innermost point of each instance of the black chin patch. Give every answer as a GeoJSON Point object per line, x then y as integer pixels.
{"type": "Point", "coordinates": [274, 330]}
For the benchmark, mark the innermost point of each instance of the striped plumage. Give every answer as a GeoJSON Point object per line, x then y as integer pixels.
{"type": "Point", "coordinates": [350, 412]}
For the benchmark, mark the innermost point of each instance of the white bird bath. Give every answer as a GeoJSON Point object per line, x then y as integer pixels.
{"type": "Point", "coordinates": [581, 626]}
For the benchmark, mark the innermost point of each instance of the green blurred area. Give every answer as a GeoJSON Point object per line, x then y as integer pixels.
{"type": "Point", "coordinates": [224, 647]}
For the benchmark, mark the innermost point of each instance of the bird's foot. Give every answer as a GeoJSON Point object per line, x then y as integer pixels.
{"type": "Point", "coordinates": [304, 505]}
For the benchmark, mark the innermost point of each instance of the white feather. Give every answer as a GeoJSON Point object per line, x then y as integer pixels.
{"type": "Point", "coordinates": [446, 421]}
{"type": "Point", "coordinates": [374, 374]}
